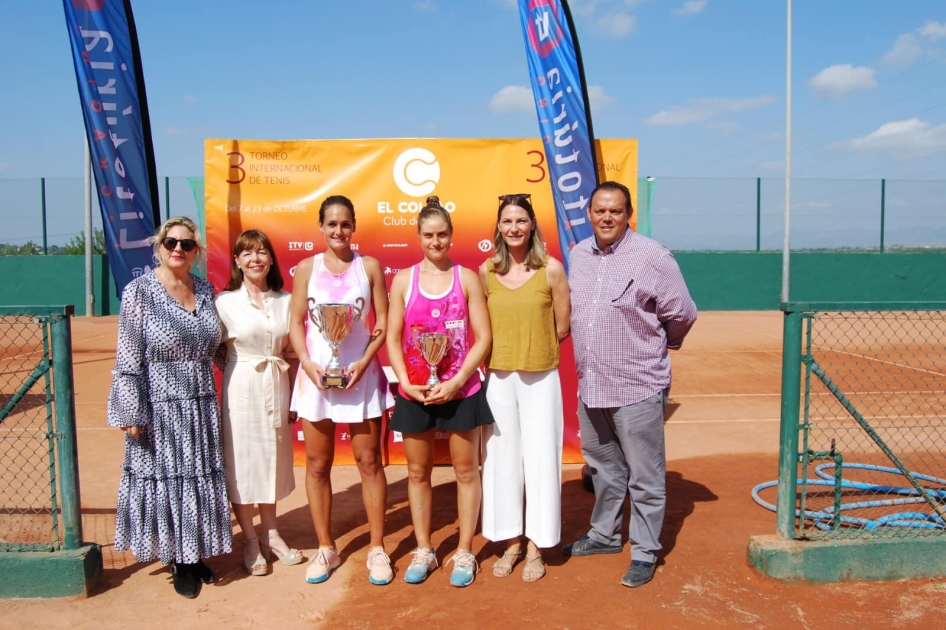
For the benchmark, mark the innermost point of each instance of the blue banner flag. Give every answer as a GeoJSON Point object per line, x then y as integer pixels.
{"type": "Point", "coordinates": [561, 102]}
{"type": "Point", "coordinates": [111, 88]}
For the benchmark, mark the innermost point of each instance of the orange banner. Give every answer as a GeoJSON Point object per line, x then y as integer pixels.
{"type": "Point", "coordinates": [277, 187]}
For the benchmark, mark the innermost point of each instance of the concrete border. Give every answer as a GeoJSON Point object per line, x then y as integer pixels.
{"type": "Point", "coordinates": [42, 574]}
{"type": "Point", "coordinates": [871, 559]}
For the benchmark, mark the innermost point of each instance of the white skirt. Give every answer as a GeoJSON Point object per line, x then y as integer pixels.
{"type": "Point", "coordinates": [369, 398]}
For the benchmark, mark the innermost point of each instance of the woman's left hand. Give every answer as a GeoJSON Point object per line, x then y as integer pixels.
{"type": "Point", "coordinates": [443, 392]}
{"type": "Point", "coordinates": [355, 371]}
{"type": "Point", "coordinates": [293, 417]}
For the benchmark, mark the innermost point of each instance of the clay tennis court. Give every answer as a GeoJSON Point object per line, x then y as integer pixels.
{"type": "Point", "coordinates": [722, 440]}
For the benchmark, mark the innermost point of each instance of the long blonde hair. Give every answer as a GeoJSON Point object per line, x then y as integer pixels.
{"type": "Point", "coordinates": [536, 256]}
{"type": "Point", "coordinates": [162, 232]}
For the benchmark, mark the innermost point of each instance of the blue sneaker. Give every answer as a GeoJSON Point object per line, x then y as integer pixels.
{"type": "Point", "coordinates": [425, 561]}
{"type": "Point", "coordinates": [464, 568]}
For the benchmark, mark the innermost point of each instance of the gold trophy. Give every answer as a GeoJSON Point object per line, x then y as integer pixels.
{"type": "Point", "coordinates": [433, 346]}
{"type": "Point", "coordinates": [335, 321]}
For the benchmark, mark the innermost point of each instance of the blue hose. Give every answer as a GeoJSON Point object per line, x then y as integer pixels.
{"type": "Point", "coordinates": [823, 519]}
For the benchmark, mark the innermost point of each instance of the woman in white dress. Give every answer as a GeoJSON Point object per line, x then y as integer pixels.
{"type": "Point", "coordinates": [340, 276]}
{"type": "Point", "coordinates": [257, 439]}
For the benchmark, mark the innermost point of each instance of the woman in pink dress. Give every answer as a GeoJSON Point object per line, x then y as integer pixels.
{"type": "Point", "coordinates": [437, 296]}
{"type": "Point", "coordinates": [340, 276]}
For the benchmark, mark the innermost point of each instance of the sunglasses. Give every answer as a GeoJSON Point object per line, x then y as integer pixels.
{"type": "Point", "coordinates": [515, 197]}
{"type": "Point", "coordinates": [187, 244]}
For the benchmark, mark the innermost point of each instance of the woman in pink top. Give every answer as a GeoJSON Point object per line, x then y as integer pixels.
{"type": "Point", "coordinates": [339, 275]}
{"type": "Point", "coordinates": [438, 296]}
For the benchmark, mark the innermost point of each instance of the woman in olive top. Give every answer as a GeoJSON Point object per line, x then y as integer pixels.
{"type": "Point", "coordinates": [528, 301]}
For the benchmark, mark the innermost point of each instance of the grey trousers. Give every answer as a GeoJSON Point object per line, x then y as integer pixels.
{"type": "Point", "coordinates": [625, 448]}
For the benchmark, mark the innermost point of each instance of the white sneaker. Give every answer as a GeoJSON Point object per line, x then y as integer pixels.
{"type": "Point", "coordinates": [379, 566]}
{"type": "Point", "coordinates": [323, 563]}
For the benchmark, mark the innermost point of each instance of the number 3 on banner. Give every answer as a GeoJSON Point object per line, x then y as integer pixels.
{"type": "Point", "coordinates": [537, 165]}
{"type": "Point", "coordinates": [236, 167]}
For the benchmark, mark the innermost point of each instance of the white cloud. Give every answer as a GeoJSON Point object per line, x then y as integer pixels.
{"type": "Point", "coordinates": [903, 139]}
{"type": "Point", "coordinates": [429, 126]}
{"type": "Point", "coordinates": [427, 6]}
{"type": "Point", "coordinates": [772, 165]}
{"type": "Point", "coordinates": [616, 25]}
{"type": "Point", "coordinates": [598, 98]}
{"type": "Point", "coordinates": [512, 98]}
{"type": "Point", "coordinates": [933, 30]}
{"type": "Point", "coordinates": [519, 98]}
{"type": "Point", "coordinates": [906, 50]}
{"type": "Point", "coordinates": [6, 166]}
{"type": "Point", "coordinates": [700, 109]}
{"type": "Point", "coordinates": [840, 80]}
{"type": "Point", "coordinates": [190, 98]}
{"type": "Point", "coordinates": [909, 47]}
{"type": "Point", "coordinates": [691, 7]}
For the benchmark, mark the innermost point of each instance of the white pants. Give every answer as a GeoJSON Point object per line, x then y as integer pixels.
{"type": "Point", "coordinates": [523, 449]}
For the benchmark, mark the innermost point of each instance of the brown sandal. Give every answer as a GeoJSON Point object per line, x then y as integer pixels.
{"type": "Point", "coordinates": [504, 566]}
{"type": "Point", "coordinates": [534, 568]}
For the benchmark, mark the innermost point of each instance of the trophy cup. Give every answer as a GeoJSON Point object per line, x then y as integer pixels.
{"type": "Point", "coordinates": [433, 346]}
{"type": "Point", "coordinates": [335, 321]}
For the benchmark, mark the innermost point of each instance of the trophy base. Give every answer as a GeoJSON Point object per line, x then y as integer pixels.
{"type": "Point", "coordinates": [337, 381]}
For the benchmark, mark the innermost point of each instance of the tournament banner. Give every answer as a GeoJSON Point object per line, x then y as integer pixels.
{"type": "Point", "coordinates": [114, 105]}
{"type": "Point", "coordinates": [561, 103]}
{"type": "Point", "coordinates": [277, 187]}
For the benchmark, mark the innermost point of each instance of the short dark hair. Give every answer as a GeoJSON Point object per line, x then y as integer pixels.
{"type": "Point", "coordinates": [336, 200]}
{"type": "Point", "coordinates": [254, 239]}
{"type": "Point", "coordinates": [609, 185]}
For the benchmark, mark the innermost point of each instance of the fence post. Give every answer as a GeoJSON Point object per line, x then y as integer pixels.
{"type": "Point", "coordinates": [758, 214]}
{"type": "Point", "coordinates": [42, 188]}
{"type": "Point", "coordinates": [167, 199]}
{"type": "Point", "coordinates": [883, 206]}
{"type": "Point", "coordinates": [66, 429]}
{"type": "Point", "coordinates": [788, 439]}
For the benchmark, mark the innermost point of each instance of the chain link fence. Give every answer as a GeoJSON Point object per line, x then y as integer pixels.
{"type": "Point", "coordinates": [39, 503]}
{"type": "Point", "coordinates": [686, 214]}
{"type": "Point", "coordinates": [872, 457]}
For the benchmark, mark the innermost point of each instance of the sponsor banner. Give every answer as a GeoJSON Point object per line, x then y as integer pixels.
{"type": "Point", "coordinates": [114, 106]}
{"type": "Point", "coordinates": [277, 187]}
{"type": "Point", "coordinates": [561, 103]}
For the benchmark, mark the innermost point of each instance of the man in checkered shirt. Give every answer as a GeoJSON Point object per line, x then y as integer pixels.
{"type": "Point", "coordinates": [630, 305]}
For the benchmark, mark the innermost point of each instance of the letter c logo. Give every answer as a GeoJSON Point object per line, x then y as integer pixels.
{"type": "Point", "coordinates": [416, 172]}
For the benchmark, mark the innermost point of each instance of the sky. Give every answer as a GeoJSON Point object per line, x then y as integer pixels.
{"type": "Point", "coordinates": [700, 83]}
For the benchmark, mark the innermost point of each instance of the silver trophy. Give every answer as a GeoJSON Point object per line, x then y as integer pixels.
{"type": "Point", "coordinates": [335, 321]}
{"type": "Point", "coordinates": [433, 346]}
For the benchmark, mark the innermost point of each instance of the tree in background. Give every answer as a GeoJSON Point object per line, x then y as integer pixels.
{"type": "Point", "coordinates": [29, 248]}
{"type": "Point", "coordinates": [75, 246]}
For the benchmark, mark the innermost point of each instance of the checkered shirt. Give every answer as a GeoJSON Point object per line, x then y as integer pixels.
{"type": "Point", "coordinates": [630, 305]}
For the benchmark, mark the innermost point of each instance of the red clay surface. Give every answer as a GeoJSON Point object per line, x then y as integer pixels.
{"type": "Point", "coordinates": [722, 436]}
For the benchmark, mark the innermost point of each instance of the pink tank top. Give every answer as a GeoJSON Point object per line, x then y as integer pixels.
{"type": "Point", "coordinates": [447, 313]}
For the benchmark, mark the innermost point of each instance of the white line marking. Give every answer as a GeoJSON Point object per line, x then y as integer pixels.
{"type": "Point", "coordinates": [894, 363]}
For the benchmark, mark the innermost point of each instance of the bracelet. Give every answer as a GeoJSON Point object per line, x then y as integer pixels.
{"type": "Point", "coordinates": [302, 365]}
